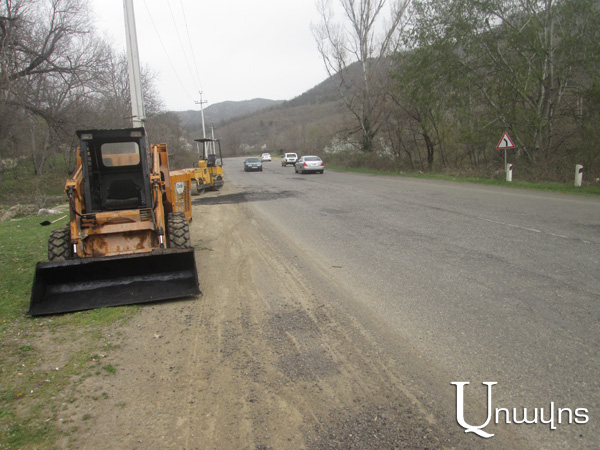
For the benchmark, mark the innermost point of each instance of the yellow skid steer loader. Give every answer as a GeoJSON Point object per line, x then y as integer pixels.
{"type": "Point", "coordinates": [128, 239]}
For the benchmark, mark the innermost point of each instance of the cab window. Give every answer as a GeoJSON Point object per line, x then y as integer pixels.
{"type": "Point", "coordinates": [118, 154]}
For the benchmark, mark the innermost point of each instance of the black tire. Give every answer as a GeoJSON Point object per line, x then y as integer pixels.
{"type": "Point", "coordinates": [59, 245]}
{"type": "Point", "coordinates": [196, 189]}
{"type": "Point", "coordinates": [179, 231]}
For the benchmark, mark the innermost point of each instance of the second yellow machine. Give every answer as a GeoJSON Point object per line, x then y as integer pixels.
{"type": "Point", "coordinates": [209, 174]}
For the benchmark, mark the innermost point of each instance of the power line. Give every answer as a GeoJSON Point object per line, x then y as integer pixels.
{"type": "Point", "coordinates": [166, 52]}
{"type": "Point", "coordinates": [181, 43]}
{"type": "Point", "coordinates": [190, 43]}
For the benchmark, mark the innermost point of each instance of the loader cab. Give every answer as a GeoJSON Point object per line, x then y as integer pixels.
{"type": "Point", "coordinates": [115, 169]}
{"type": "Point", "coordinates": [211, 161]}
{"type": "Point", "coordinates": [208, 151]}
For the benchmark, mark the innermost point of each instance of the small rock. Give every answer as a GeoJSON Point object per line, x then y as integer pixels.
{"type": "Point", "coordinates": [46, 212]}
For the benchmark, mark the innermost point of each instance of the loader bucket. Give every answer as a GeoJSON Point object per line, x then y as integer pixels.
{"type": "Point", "coordinates": [88, 283]}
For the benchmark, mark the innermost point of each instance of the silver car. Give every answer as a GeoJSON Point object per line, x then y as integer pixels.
{"type": "Point", "coordinates": [309, 164]}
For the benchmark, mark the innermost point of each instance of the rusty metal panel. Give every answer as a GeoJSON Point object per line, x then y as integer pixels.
{"type": "Point", "coordinates": [181, 181]}
{"type": "Point", "coordinates": [120, 243]}
{"type": "Point", "coordinates": [119, 223]}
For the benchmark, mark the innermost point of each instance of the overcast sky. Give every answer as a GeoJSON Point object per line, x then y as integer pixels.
{"type": "Point", "coordinates": [242, 49]}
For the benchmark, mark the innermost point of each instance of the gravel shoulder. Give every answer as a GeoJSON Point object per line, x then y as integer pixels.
{"type": "Point", "coordinates": [270, 356]}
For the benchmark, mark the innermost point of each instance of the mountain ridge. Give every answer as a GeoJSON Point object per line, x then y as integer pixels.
{"type": "Point", "coordinates": [223, 111]}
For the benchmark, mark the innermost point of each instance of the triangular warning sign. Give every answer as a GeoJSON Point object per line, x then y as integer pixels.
{"type": "Point", "coordinates": [505, 142]}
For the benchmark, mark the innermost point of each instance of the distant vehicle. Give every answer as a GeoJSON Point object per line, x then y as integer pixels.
{"type": "Point", "coordinates": [289, 158]}
{"type": "Point", "coordinates": [265, 157]}
{"type": "Point", "coordinates": [252, 165]}
{"type": "Point", "coordinates": [309, 164]}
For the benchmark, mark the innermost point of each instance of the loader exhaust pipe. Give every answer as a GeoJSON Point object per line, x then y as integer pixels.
{"type": "Point", "coordinates": [88, 283]}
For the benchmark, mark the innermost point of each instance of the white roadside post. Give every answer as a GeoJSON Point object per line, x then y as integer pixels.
{"type": "Point", "coordinates": [505, 144]}
{"type": "Point", "coordinates": [509, 168]}
{"type": "Point", "coordinates": [578, 175]}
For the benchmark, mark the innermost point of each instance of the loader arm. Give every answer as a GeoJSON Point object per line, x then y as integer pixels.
{"type": "Point", "coordinates": [75, 193]}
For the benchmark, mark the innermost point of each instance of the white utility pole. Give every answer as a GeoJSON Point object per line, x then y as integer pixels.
{"type": "Point", "coordinates": [212, 144]}
{"type": "Point", "coordinates": [133, 62]}
{"type": "Point", "coordinates": [204, 153]}
{"type": "Point", "coordinates": [202, 102]}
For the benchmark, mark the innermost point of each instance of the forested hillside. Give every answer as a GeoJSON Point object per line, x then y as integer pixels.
{"type": "Point", "coordinates": [475, 69]}
{"type": "Point", "coordinates": [191, 120]}
{"type": "Point", "coordinates": [306, 124]}
{"type": "Point", "coordinates": [423, 85]}
{"type": "Point", "coordinates": [439, 96]}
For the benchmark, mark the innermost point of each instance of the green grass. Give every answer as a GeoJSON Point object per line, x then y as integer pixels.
{"type": "Point", "coordinates": [32, 189]}
{"type": "Point", "coordinates": [110, 369]}
{"type": "Point", "coordinates": [29, 389]}
{"type": "Point", "coordinates": [23, 242]}
{"type": "Point", "coordinates": [515, 184]}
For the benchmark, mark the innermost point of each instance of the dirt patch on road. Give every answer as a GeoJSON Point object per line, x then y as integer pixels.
{"type": "Point", "coordinates": [264, 359]}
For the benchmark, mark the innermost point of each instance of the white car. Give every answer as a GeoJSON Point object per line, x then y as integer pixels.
{"type": "Point", "coordinates": [308, 164]}
{"type": "Point", "coordinates": [265, 157]}
{"type": "Point", "coordinates": [289, 158]}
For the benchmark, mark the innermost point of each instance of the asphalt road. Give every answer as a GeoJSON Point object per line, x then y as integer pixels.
{"type": "Point", "coordinates": [488, 284]}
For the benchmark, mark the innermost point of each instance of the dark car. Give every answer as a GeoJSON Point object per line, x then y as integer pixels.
{"type": "Point", "coordinates": [252, 164]}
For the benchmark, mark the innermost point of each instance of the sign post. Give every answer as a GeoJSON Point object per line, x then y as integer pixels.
{"type": "Point", "coordinates": [505, 144]}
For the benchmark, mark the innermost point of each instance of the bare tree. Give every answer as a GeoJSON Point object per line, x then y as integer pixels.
{"type": "Point", "coordinates": [48, 62]}
{"type": "Point", "coordinates": [114, 100]}
{"type": "Point", "coordinates": [37, 37]}
{"type": "Point", "coordinates": [364, 37]}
